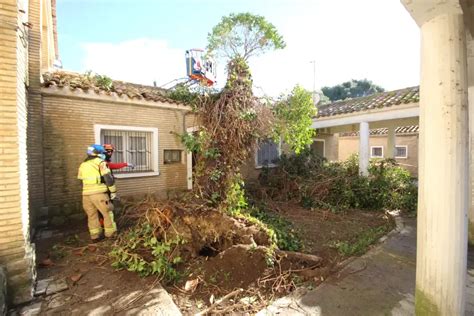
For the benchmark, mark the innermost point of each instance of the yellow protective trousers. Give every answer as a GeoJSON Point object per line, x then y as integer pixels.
{"type": "Point", "coordinates": [93, 204]}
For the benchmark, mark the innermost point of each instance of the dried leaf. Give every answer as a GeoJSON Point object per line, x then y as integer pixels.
{"type": "Point", "coordinates": [79, 252]}
{"type": "Point", "coordinates": [191, 285]}
{"type": "Point", "coordinates": [76, 277]}
{"type": "Point", "coordinates": [211, 299]}
{"type": "Point", "coordinates": [46, 263]}
{"type": "Point", "coordinates": [92, 248]}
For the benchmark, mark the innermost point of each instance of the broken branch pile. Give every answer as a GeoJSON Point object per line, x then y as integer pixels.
{"type": "Point", "coordinates": [314, 183]}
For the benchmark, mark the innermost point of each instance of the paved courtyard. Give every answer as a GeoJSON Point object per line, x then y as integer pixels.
{"type": "Point", "coordinates": [382, 282]}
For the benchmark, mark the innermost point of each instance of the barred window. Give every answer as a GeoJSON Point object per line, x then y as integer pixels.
{"type": "Point", "coordinates": [172, 156]}
{"type": "Point", "coordinates": [138, 146]}
{"type": "Point", "coordinates": [401, 151]}
{"type": "Point", "coordinates": [268, 153]}
{"type": "Point", "coordinates": [376, 152]}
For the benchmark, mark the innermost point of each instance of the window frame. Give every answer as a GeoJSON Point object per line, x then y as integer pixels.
{"type": "Point", "coordinates": [371, 152]}
{"type": "Point", "coordinates": [173, 162]}
{"type": "Point", "coordinates": [324, 145]}
{"type": "Point", "coordinates": [270, 165]}
{"type": "Point", "coordinates": [406, 152]}
{"type": "Point", "coordinates": [155, 153]}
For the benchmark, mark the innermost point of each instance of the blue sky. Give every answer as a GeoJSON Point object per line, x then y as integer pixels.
{"type": "Point", "coordinates": [145, 40]}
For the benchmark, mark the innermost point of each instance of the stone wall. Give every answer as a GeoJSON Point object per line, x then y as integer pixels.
{"type": "Point", "coordinates": [68, 126]}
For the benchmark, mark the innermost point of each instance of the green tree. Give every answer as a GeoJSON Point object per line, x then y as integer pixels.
{"type": "Point", "coordinates": [294, 119]}
{"type": "Point", "coordinates": [351, 89]}
{"type": "Point", "coordinates": [243, 35]}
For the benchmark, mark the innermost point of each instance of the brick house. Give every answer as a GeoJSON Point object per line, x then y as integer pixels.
{"type": "Point", "coordinates": [16, 251]}
{"type": "Point", "coordinates": [141, 123]}
{"type": "Point", "coordinates": [49, 118]}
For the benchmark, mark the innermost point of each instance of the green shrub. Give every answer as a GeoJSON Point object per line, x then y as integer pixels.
{"type": "Point", "coordinates": [337, 186]}
{"type": "Point", "coordinates": [140, 251]}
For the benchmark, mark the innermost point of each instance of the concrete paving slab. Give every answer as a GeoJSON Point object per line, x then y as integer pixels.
{"type": "Point", "coordinates": [56, 286]}
{"type": "Point", "coordinates": [381, 282]}
{"type": "Point", "coordinates": [41, 286]}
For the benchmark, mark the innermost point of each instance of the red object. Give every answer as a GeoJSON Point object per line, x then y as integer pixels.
{"type": "Point", "coordinates": [117, 165]}
{"type": "Point", "coordinates": [101, 221]}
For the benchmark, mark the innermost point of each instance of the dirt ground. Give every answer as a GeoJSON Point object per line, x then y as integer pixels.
{"type": "Point", "coordinates": [93, 285]}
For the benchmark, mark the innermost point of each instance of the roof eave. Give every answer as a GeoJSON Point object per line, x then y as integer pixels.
{"type": "Point", "coordinates": [112, 97]}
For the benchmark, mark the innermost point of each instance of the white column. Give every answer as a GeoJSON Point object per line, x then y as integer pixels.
{"type": "Point", "coordinates": [443, 168]}
{"type": "Point", "coordinates": [364, 149]}
{"type": "Point", "coordinates": [391, 142]}
{"type": "Point", "coordinates": [470, 74]}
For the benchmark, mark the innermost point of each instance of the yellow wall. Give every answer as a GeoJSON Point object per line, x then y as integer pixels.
{"type": "Point", "coordinates": [16, 253]}
{"type": "Point", "coordinates": [68, 125]}
{"type": "Point", "coordinates": [350, 145]}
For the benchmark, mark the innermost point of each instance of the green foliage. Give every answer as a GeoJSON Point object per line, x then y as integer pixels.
{"type": "Point", "coordinates": [286, 237]}
{"type": "Point", "coordinates": [183, 93]}
{"type": "Point", "coordinates": [294, 119]}
{"type": "Point", "coordinates": [132, 252]}
{"type": "Point", "coordinates": [235, 201]}
{"type": "Point", "coordinates": [278, 229]}
{"type": "Point", "coordinates": [243, 35]}
{"type": "Point", "coordinates": [362, 242]}
{"type": "Point", "coordinates": [104, 82]}
{"type": "Point", "coordinates": [191, 95]}
{"type": "Point", "coordinates": [100, 81]}
{"type": "Point", "coordinates": [351, 89]}
{"type": "Point", "coordinates": [338, 186]}
{"type": "Point", "coordinates": [192, 142]}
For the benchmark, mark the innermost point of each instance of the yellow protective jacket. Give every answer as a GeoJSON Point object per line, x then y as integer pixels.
{"type": "Point", "coordinates": [96, 177]}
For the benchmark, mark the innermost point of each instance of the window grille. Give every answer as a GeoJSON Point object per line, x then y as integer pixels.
{"type": "Point", "coordinates": [401, 151]}
{"type": "Point", "coordinates": [268, 153]}
{"type": "Point", "coordinates": [130, 146]}
{"type": "Point", "coordinates": [172, 156]}
{"type": "Point", "coordinates": [376, 152]}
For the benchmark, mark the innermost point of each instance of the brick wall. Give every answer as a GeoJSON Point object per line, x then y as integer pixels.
{"type": "Point", "coordinates": [35, 112]}
{"type": "Point", "coordinates": [350, 145]}
{"type": "Point", "coordinates": [16, 252]}
{"type": "Point", "coordinates": [69, 129]}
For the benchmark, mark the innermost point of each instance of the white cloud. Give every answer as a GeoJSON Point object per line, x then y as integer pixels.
{"type": "Point", "coordinates": [372, 39]}
{"type": "Point", "coordinates": [139, 61]}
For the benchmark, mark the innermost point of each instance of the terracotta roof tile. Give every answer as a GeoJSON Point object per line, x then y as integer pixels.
{"type": "Point", "coordinates": [374, 101]}
{"type": "Point", "coordinates": [412, 129]}
{"type": "Point", "coordinates": [86, 82]}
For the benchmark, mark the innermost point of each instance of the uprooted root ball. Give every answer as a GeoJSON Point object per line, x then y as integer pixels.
{"type": "Point", "coordinates": [162, 234]}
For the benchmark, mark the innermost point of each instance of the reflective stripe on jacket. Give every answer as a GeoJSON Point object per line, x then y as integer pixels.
{"type": "Point", "coordinates": [91, 172]}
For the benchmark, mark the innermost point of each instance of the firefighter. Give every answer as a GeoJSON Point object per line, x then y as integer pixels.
{"type": "Point", "coordinates": [97, 181]}
{"type": "Point", "coordinates": [109, 150]}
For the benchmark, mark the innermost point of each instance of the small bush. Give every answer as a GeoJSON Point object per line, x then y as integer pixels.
{"type": "Point", "coordinates": [142, 252]}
